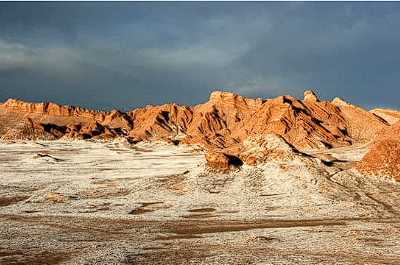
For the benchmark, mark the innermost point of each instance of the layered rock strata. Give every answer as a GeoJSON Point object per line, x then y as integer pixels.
{"type": "Point", "coordinates": [228, 125]}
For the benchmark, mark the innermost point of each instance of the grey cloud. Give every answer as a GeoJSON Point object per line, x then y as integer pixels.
{"type": "Point", "coordinates": [128, 55]}
{"type": "Point", "coordinates": [51, 59]}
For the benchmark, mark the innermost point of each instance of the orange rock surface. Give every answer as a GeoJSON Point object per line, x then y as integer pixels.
{"type": "Point", "coordinates": [221, 162]}
{"type": "Point", "coordinates": [253, 130]}
{"type": "Point", "coordinates": [224, 121]}
{"type": "Point", "coordinates": [361, 125]}
{"type": "Point", "coordinates": [383, 159]}
{"type": "Point", "coordinates": [390, 116]}
{"type": "Point", "coordinates": [24, 120]}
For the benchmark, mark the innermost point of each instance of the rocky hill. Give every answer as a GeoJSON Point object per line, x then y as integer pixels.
{"type": "Point", "coordinates": [24, 120]}
{"type": "Point", "coordinates": [228, 126]}
{"type": "Point", "coordinates": [384, 156]}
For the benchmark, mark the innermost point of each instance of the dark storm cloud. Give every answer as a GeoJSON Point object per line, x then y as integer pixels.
{"type": "Point", "coordinates": [129, 54]}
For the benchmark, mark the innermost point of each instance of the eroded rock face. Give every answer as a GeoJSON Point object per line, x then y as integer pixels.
{"type": "Point", "coordinates": [390, 116]}
{"type": "Point", "coordinates": [89, 131]}
{"type": "Point", "coordinates": [51, 121]}
{"type": "Point", "coordinates": [222, 162]}
{"type": "Point", "coordinates": [222, 122]}
{"type": "Point", "coordinates": [235, 101]}
{"type": "Point", "coordinates": [225, 121]}
{"type": "Point", "coordinates": [383, 159]}
{"type": "Point", "coordinates": [234, 129]}
{"type": "Point", "coordinates": [168, 121]}
{"type": "Point", "coordinates": [28, 129]}
{"type": "Point", "coordinates": [310, 96]}
{"type": "Point", "coordinates": [52, 109]}
{"type": "Point", "coordinates": [304, 124]}
{"type": "Point", "coordinates": [117, 119]}
{"type": "Point", "coordinates": [361, 125]}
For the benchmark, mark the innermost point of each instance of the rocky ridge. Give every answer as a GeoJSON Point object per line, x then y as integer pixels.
{"type": "Point", "coordinates": [228, 126]}
{"type": "Point", "coordinates": [390, 116]}
{"type": "Point", "coordinates": [383, 159]}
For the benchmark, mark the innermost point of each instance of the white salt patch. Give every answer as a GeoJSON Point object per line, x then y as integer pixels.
{"type": "Point", "coordinates": [112, 178]}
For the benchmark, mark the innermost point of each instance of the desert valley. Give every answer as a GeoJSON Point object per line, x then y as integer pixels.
{"type": "Point", "coordinates": [234, 180]}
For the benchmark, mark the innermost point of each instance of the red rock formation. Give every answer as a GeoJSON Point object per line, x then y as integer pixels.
{"type": "Point", "coordinates": [168, 121]}
{"type": "Point", "coordinates": [228, 119]}
{"type": "Point", "coordinates": [310, 96]}
{"type": "Point", "coordinates": [228, 123]}
{"type": "Point", "coordinates": [28, 129]}
{"type": "Point", "coordinates": [52, 109]}
{"type": "Point", "coordinates": [224, 121]}
{"type": "Point", "coordinates": [89, 131]}
{"type": "Point", "coordinates": [304, 124]}
{"type": "Point", "coordinates": [361, 125]}
{"type": "Point", "coordinates": [222, 162]}
{"type": "Point", "coordinates": [117, 119]}
{"type": "Point", "coordinates": [52, 121]}
{"type": "Point", "coordinates": [383, 159]}
{"type": "Point", "coordinates": [219, 122]}
{"type": "Point", "coordinates": [390, 116]}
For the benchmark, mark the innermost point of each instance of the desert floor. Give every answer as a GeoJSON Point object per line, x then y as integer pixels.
{"type": "Point", "coordinates": [82, 202]}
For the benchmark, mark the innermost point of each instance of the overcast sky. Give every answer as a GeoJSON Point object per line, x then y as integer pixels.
{"type": "Point", "coordinates": [126, 55]}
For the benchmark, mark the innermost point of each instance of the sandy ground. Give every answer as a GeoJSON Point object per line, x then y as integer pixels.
{"type": "Point", "coordinates": [81, 202]}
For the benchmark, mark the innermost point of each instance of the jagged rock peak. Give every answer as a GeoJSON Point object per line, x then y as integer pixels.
{"type": "Point", "coordinates": [234, 99]}
{"type": "Point", "coordinates": [340, 102]}
{"type": "Point", "coordinates": [310, 96]}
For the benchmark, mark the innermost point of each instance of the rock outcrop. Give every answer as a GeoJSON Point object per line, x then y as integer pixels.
{"type": "Point", "coordinates": [390, 116]}
{"type": "Point", "coordinates": [310, 96]}
{"type": "Point", "coordinates": [222, 162]}
{"type": "Point", "coordinates": [228, 126]}
{"type": "Point", "coordinates": [52, 109]}
{"type": "Point", "coordinates": [227, 119]}
{"type": "Point", "coordinates": [361, 125]}
{"type": "Point", "coordinates": [224, 121]}
{"type": "Point", "coordinates": [117, 119]}
{"type": "Point", "coordinates": [383, 159]}
{"type": "Point", "coordinates": [169, 121]}
{"type": "Point", "coordinates": [52, 121]}
{"type": "Point", "coordinates": [28, 129]}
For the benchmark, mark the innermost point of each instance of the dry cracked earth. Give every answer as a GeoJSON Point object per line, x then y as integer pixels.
{"type": "Point", "coordinates": [83, 202]}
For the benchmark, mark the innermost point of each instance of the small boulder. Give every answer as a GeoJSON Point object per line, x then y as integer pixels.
{"type": "Point", "coordinates": [55, 198]}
